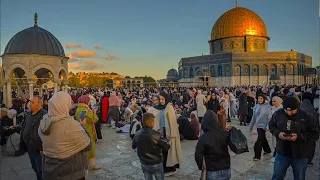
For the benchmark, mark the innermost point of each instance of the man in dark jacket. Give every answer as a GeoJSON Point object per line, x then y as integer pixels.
{"type": "Point", "coordinates": [31, 141]}
{"type": "Point", "coordinates": [150, 145]}
{"type": "Point", "coordinates": [294, 130]}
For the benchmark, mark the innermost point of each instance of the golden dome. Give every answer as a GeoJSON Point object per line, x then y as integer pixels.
{"type": "Point", "coordinates": [237, 22]}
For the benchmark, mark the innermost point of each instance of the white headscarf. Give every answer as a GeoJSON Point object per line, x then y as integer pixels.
{"type": "Point", "coordinates": [59, 104]}
{"type": "Point", "coordinates": [11, 113]}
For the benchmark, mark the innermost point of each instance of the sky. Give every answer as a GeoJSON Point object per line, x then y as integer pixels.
{"type": "Point", "coordinates": [144, 37]}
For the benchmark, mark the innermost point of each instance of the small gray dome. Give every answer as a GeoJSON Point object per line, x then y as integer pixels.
{"type": "Point", "coordinates": [34, 40]}
{"type": "Point", "coordinates": [172, 75]}
{"type": "Point", "coordinates": [172, 72]}
{"type": "Point", "coordinates": [274, 77]}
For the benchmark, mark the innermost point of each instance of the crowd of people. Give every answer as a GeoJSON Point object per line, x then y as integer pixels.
{"type": "Point", "coordinates": [59, 130]}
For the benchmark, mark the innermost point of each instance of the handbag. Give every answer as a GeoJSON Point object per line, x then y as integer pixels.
{"type": "Point", "coordinates": [204, 170]}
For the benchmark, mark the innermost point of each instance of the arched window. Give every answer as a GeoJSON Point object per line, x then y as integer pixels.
{"type": "Point", "coordinates": [246, 70]}
{"type": "Point", "coordinates": [237, 70]}
{"type": "Point", "coordinates": [213, 71]}
{"type": "Point", "coordinates": [191, 74]}
{"type": "Point", "coordinates": [282, 70]}
{"type": "Point", "coordinates": [185, 73]}
{"type": "Point", "coordinates": [255, 70]}
{"type": "Point", "coordinates": [264, 70]}
{"type": "Point", "coordinates": [273, 69]}
{"type": "Point", "coordinates": [290, 69]}
{"type": "Point", "coordinates": [220, 70]}
{"type": "Point", "coordinates": [227, 70]}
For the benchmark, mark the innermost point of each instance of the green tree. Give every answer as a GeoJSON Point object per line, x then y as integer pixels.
{"type": "Point", "coordinates": [74, 81]}
{"type": "Point", "coordinates": [94, 81]}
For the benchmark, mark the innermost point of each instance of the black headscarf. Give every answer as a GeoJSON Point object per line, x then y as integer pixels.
{"type": "Point", "coordinates": [166, 97]}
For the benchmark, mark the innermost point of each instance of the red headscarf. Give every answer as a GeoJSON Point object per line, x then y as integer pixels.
{"type": "Point", "coordinates": [84, 99]}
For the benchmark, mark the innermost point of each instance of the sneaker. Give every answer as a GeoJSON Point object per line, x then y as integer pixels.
{"type": "Point", "coordinates": [168, 174]}
{"type": "Point", "coordinates": [256, 159]}
{"type": "Point", "coordinates": [310, 164]}
{"type": "Point", "coordinates": [267, 152]}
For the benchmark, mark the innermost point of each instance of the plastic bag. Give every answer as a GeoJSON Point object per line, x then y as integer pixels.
{"type": "Point", "coordinates": [13, 144]}
{"type": "Point", "coordinates": [238, 141]}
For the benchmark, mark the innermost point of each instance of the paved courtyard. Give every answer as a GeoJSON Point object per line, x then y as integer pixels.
{"type": "Point", "coordinates": [120, 162]}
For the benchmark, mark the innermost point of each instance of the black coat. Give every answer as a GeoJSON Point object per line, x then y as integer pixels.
{"type": "Point", "coordinates": [150, 145]}
{"type": "Point", "coordinates": [303, 124]}
{"type": "Point", "coordinates": [213, 144]}
{"type": "Point", "coordinates": [243, 104]}
{"type": "Point", "coordinates": [213, 105]}
{"type": "Point", "coordinates": [30, 140]}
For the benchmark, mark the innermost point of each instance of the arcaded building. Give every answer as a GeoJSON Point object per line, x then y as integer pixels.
{"type": "Point", "coordinates": [239, 55]}
{"type": "Point", "coordinates": [32, 58]}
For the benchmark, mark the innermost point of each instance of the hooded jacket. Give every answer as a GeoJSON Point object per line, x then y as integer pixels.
{"type": "Point", "coordinates": [213, 144]}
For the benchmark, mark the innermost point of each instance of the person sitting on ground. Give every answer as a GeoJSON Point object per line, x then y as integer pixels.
{"type": "Point", "coordinates": [150, 144]}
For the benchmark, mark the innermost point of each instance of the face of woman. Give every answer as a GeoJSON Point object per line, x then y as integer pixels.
{"type": "Point", "coordinates": [260, 100]}
{"type": "Point", "coordinates": [162, 100]}
{"type": "Point", "coordinates": [213, 96]}
{"type": "Point", "coordinates": [156, 101]}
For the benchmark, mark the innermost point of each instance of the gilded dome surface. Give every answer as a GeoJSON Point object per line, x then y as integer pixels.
{"type": "Point", "coordinates": [237, 22]}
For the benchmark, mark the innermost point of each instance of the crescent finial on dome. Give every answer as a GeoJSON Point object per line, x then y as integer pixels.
{"type": "Point", "coordinates": [237, 3]}
{"type": "Point", "coordinates": [35, 19]}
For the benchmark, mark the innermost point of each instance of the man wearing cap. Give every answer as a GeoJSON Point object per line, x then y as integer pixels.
{"type": "Point", "coordinates": [294, 130]}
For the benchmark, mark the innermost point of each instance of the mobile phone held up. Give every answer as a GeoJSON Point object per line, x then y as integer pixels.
{"type": "Point", "coordinates": [83, 115]}
{"type": "Point", "coordinates": [287, 135]}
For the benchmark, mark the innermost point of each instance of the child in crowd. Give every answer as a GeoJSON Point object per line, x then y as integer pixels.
{"type": "Point", "coordinates": [150, 144]}
{"type": "Point", "coordinates": [135, 125]}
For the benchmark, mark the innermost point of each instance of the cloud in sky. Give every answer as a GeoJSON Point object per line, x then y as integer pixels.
{"type": "Point", "coordinates": [73, 46]}
{"type": "Point", "coordinates": [110, 58]}
{"type": "Point", "coordinates": [82, 54]}
{"type": "Point", "coordinates": [86, 65]}
{"type": "Point", "coordinates": [98, 47]}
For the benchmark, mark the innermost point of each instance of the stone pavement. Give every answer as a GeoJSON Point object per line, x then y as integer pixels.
{"type": "Point", "coordinates": [120, 162]}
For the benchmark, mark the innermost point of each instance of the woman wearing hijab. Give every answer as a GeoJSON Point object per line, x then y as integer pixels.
{"type": "Point", "coordinates": [276, 104]}
{"type": "Point", "coordinates": [261, 112]}
{"type": "Point", "coordinates": [251, 103]}
{"type": "Point", "coordinates": [65, 142]}
{"type": "Point", "coordinates": [169, 129]}
{"type": "Point", "coordinates": [201, 105]}
{"type": "Point", "coordinates": [213, 147]}
{"type": "Point", "coordinates": [91, 118]}
{"type": "Point", "coordinates": [156, 110]}
{"type": "Point", "coordinates": [9, 125]}
{"type": "Point", "coordinates": [213, 103]}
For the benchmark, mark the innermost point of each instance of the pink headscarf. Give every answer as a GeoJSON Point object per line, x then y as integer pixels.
{"type": "Point", "coordinates": [84, 99]}
{"type": "Point", "coordinates": [59, 104]}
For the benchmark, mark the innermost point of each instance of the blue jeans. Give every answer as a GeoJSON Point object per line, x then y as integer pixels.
{"type": "Point", "coordinates": [219, 175]}
{"type": "Point", "coordinates": [281, 164]}
{"type": "Point", "coordinates": [36, 161]}
{"type": "Point", "coordinates": [150, 170]}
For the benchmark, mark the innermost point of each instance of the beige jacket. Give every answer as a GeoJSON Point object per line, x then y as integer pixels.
{"type": "Point", "coordinates": [172, 130]}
